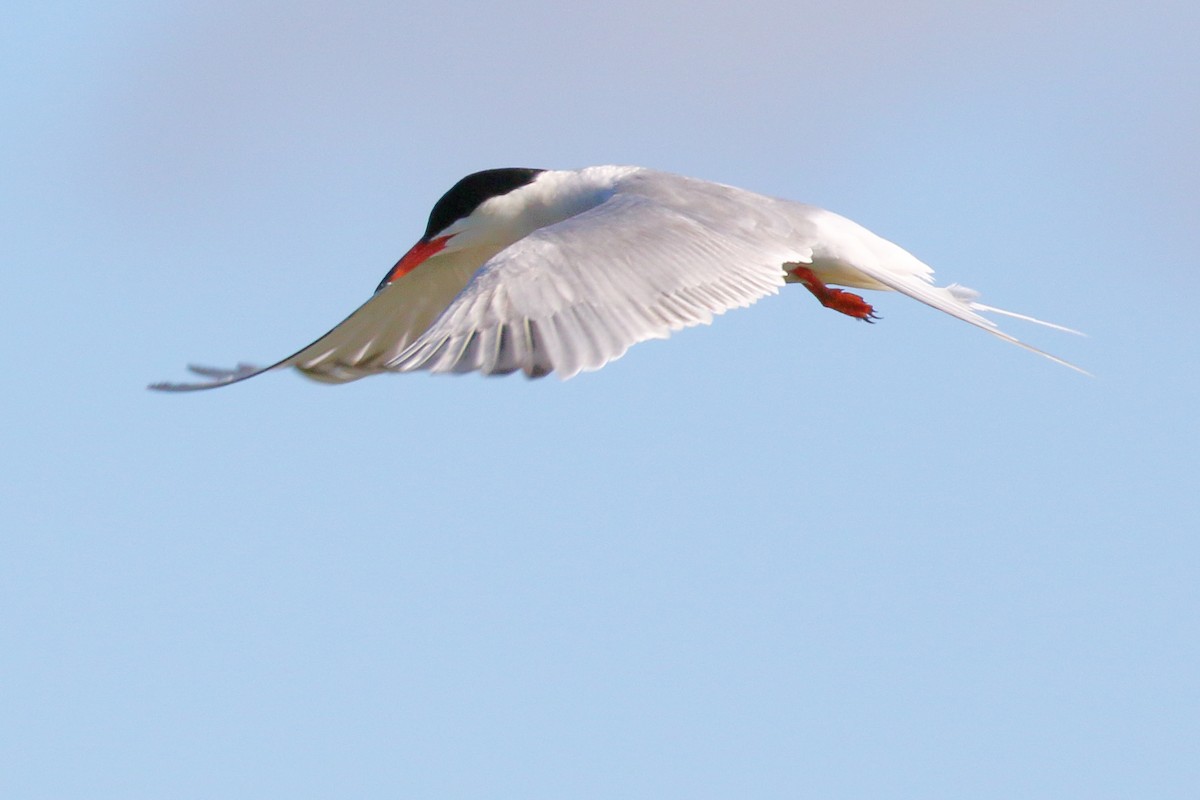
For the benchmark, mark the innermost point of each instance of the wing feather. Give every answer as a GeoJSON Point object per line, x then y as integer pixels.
{"type": "Point", "coordinates": [582, 291]}
{"type": "Point", "coordinates": [360, 345]}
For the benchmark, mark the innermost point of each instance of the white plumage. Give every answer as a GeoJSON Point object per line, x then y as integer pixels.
{"type": "Point", "coordinates": [565, 271]}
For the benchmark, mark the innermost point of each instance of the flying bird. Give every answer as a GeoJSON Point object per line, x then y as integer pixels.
{"type": "Point", "coordinates": [563, 270]}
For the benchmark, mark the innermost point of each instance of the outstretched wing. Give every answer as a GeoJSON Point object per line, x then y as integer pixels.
{"type": "Point", "coordinates": [365, 341]}
{"type": "Point", "coordinates": [577, 294]}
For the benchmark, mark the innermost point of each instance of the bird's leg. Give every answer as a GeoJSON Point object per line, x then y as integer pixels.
{"type": "Point", "coordinates": [839, 300]}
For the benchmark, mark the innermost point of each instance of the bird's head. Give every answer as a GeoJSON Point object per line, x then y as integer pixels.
{"type": "Point", "coordinates": [471, 216]}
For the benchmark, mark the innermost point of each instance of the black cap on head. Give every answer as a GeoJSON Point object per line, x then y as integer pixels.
{"type": "Point", "coordinates": [467, 195]}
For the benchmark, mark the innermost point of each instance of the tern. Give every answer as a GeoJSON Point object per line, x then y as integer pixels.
{"type": "Point", "coordinates": [563, 270]}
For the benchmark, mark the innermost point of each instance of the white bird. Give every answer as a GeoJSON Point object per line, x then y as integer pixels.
{"type": "Point", "coordinates": [563, 270]}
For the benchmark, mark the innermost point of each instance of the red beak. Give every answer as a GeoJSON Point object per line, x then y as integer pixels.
{"type": "Point", "coordinates": [418, 254]}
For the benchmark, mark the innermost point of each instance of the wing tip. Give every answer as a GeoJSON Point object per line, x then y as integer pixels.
{"type": "Point", "coordinates": [219, 376]}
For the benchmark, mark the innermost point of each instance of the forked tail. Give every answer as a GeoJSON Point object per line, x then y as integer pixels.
{"type": "Point", "coordinates": [854, 256]}
{"type": "Point", "coordinates": [965, 298]}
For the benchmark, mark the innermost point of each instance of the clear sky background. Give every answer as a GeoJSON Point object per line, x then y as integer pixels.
{"type": "Point", "coordinates": [785, 556]}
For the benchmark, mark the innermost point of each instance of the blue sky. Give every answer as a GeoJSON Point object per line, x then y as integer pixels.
{"type": "Point", "coordinates": [785, 556]}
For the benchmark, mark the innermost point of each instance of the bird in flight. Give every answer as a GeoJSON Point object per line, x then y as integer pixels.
{"type": "Point", "coordinates": [543, 271]}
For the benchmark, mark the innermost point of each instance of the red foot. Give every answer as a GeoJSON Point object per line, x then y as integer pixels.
{"type": "Point", "coordinates": [839, 300]}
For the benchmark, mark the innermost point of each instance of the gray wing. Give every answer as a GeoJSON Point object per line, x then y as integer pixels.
{"type": "Point", "coordinates": [362, 344]}
{"type": "Point", "coordinates": [577, 294]}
